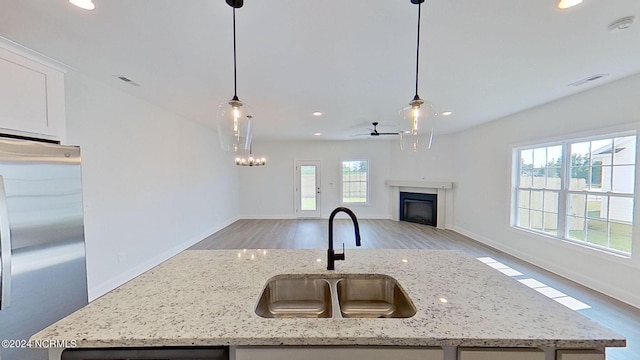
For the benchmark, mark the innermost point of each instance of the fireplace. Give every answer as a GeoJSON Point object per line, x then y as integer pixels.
{"type": "Point", "coordinates": [441, 190]}
{"type": "Point", "coordinates": [419, 208]}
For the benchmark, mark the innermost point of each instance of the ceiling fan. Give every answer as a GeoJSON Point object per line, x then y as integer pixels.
{"type": "Point", "coordinates": [375, 132]}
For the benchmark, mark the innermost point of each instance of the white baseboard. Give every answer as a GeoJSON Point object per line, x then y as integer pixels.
{"type": "Point", "coordinates": [96, 291]}
{"type": "Point", "coordinates": [267, 217]}
{"type": "Point", "coordinates": [293, 217]}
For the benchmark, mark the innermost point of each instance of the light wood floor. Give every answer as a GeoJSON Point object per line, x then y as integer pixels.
{"type": "Point", "coordinates": [390, 234]}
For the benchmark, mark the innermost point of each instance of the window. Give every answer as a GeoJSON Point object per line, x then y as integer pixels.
{"type": "Point", "coordinates": [355, 181]}
{"type": "Point", "coordinates": [581, 191]}
{"type": "Point", "coordinates": [539, 188]}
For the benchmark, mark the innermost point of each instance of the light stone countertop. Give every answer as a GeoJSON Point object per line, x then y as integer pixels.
{"type": "Point", "coordinates": [207, 297]}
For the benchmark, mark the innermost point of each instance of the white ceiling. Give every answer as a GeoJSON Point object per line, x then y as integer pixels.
{"type": "Point", "coordinates": [351, 59]}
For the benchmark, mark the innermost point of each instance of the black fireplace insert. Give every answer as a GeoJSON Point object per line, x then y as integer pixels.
{"type": "Point", "coordinates": [419, 208]}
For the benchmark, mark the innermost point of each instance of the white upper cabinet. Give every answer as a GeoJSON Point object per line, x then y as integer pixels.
{"type": "Point", "coordinates": [31, 95]}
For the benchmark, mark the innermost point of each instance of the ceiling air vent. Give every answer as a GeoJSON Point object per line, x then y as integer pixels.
{"type": "Point", "coordinates": [127, 80]}
{"type": "Point", "coordinates": [621, 24]}
{"type": "Point", "coordinates": [588, 80]}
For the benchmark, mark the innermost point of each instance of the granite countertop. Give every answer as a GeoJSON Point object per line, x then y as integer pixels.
{"type": "Point", "coordinates": [207, 297]}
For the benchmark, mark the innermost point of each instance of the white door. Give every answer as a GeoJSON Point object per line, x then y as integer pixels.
{"type": "Point", "coordinates": [307, 188]}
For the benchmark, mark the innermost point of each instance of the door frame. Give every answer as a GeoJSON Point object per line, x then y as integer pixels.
{"type": "Point", "coordinates": [317, 213]}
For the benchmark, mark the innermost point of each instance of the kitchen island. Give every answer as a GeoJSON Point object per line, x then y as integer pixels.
{"type": "Point", "coordinates": [208, 298]}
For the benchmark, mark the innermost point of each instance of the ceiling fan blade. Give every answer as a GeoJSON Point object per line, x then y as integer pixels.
{"type": "Point", "coordinates": [374, 132]}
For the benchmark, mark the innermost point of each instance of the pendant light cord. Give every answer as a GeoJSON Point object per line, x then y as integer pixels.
{"type": "Point", "coordinates": [235, 77]}
{"type": "Point", "coordinates": [418, 52]}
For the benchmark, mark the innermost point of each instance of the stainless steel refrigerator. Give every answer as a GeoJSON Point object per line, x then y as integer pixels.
{"type": "Point", "coordinates": [43, 274]}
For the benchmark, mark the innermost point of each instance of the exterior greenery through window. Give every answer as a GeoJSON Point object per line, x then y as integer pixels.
{"type": "Point", "coordinates": [581, 191]}
{"type": "Point", "coordinates": [355, 181]}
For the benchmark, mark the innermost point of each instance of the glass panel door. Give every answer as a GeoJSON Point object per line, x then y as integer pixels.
{"type": "Point", "coordinates": [307, 188]}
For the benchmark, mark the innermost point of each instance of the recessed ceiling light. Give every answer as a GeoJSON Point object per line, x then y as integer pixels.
{"type": "Point", "coordinates": [317, 134]}
{"type": "Point", "coordinates": [446, 113]}
{"type": "Point", "coordinates": [565, 4]}
{"type": "Point", "coordinates": [317, 113]}
{"type": "Point", "coordinates": [84, 4]}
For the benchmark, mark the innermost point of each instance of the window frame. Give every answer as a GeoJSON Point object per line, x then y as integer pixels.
{"type": "Point", "coordinates": [367, 183]}
{"type": "Point", "coordinates": [564, 214]}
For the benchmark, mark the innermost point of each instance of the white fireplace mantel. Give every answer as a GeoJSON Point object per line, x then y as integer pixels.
{"type": "Point", "coordinates": [443, 188]}
{"type": "Point", "coordinates": [421, 184]}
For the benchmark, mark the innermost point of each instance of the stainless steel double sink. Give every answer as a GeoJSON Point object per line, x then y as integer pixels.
{"type": "Point", "coordinates": [342, 296]}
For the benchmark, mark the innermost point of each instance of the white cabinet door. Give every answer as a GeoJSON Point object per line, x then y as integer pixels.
{"type": "Point", "coordinates": [31, 97]}
{"type": "Point", "coordinates": [500, 354]}
{"type": "Point", "coordinates": [337, 353]}
{"type": "Point", "coordinates": [579, 355]}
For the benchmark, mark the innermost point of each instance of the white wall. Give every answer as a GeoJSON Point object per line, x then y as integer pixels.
{"type": "Point", "coordinates": [432, 165]}
{"type": "Point", "coordinates": [154, 183]}
{"type": "Point", "coordinates": [483, 182]}
{"type": "Point", "coordinates": [268, 191]}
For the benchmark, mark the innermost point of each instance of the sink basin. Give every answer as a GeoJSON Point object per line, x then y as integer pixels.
{"type": "Point", "coordinates": [378, 296]}
{"type": "Point", "coordinates": [345, 296]}
{"type": "Point", "coordinates": [308, 297]}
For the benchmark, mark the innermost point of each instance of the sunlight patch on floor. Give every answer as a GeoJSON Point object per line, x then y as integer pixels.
{"type": "Point", "coordinates": [500, 266]}
{"type": "Point", "coordinates": [538, 286]}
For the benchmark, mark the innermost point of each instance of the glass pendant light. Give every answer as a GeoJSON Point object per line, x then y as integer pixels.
{"type": "Point", "coordinates": [84, 4]}
{"type": "Point", "coordinates": [415, 123]}
{"type": "Point", "coordinates": [235, 118]}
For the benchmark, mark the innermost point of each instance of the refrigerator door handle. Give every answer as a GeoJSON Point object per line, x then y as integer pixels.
{"type": "Point", "coordinates": [5, 250]}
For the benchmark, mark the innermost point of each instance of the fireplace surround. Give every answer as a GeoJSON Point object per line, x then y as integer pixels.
{"type": "Point", "coordinates": [443, 188]}
{"type": "Point", "coordinates": [419, 208]}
